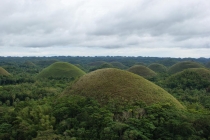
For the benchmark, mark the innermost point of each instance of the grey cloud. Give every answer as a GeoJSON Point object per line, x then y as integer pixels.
{"type": "Point", "coordinates": [105, 24]}
{"type": "Point", "coordinates": [182, 21]}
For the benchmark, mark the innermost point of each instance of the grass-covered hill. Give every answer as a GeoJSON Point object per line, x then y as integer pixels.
{"type": "Point", "coordinates": [193, 78]}
{"type": "Point", "coordinates": [29, 64]}
{"type": "Point", "coordinates": [61, 70]}
{"type": "Point", "coordinates": [207, 65]}
{"type": "Point", "coordinates": [118, 65]}
{"type": "Point", "coordinates": [119, 86]}
{"type": "Point", "coordinates": [142, 71]}
{"type": "Point", "coordinates": [140, 63]}
{"type": "Point", "coordinates": [159, 68]}
{"type": "Point", "coordinates": [96, 63]}
{"type": "Point", "coordinates": [180, 66]}
{"type": "Point", "coordinates": [203, 72]}
{"type": "Point", "coordinates": [3, 72]}
{"type": "Point", "coordinates": [105, 65]}
{"type": "Point", "coordinates": [102, 66]}
{"type": "Point", "coordinates": [45, 63]}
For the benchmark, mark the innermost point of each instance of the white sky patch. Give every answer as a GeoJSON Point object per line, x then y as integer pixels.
{"type": "Point", "coordinates": [105, 27]}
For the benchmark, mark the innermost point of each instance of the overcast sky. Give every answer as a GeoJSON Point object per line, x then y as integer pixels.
{"type": "Point", "coordinates": [175, 28]}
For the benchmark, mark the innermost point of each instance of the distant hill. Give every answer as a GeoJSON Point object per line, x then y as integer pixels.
{"type": "Point", "coordinates": [97, 63]}
{"type": "Point", "coordinates": [203, 72]}
{"type": "Point", "coordinates": [142, 71]}
{"type": "Point", "coordinates": [180, 66]}
{"type": "Point", "coordinates": [61, 70]}
{"type": "Point", "coordinates": [118, 65]}
{"type": "Point", "coordinates": [159, 68]}
{"type": "Point", "coordinates": [45, 63]}
{"type": "Point", "coordinates": [102, 66]}
{"type": "Point", "coordinates": [119, 86]}
{"type": "Point", "coordinates": [208, 65]}
{"type": "Point", "coordinates": [192, 78]}
{"type": "Point", "coordinates": [140, 63]}
{"type": "Point", "coordinates": [3, 72]}
{"type": "Point", "coordinates": [29, 64]}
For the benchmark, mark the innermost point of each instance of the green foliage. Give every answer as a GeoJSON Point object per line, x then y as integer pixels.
{"type": "Point", "coordinates": [80, 117]}
{"type": "Point", "coordinates": [5, 130]}
{"type": "Point", "coordinates": [202, 126]}
{"type": "Point", "coordinates": [32, 117]}
{"type": "Point", "coordinates": [133, 108]}
{"type": "Point", "coordinates": [208, 64]}
{"type": "Point", "coordinates": [18, 79]}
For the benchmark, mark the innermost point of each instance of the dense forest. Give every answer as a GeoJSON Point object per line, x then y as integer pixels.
{"type": "Point", "coordinates": [104, 98]}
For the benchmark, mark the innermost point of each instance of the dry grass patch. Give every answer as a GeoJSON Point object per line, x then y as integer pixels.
{"type": "Point", "coordinates": [121, 86]}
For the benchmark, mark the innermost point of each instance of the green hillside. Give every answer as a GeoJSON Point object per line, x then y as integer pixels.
{"type": "Point", "coordinates": [29, 64]}
{"type": "Point", "coordinates": [118, 65]}
{"type": "Point", "coordinates": [193, 78]}
{"type": "Point", "coordinates": [159, 68]}
{"type": "Point", "coordinates": [180, 66]}
{"type": "Point", "coordinates": [203, 72]}
{"type": "Point", "coordinates": [61, 70]}
{"type": "Point", "coordinates": [97, 63]}
{"type": "Point", "coordinates": [142, 71]}
{"type": "Point", "coordinates": [45, 63]}
{"type": "Point", "coordinates": [3, 72]}
{"type": "Point", "coordinates": [140, 63]}
{"type": "Point", "coordinates": [207, 65]}
{"type": "Point", "coordinates": [102, 66]}
{"type": "Point", "coordinates": [108, 85]}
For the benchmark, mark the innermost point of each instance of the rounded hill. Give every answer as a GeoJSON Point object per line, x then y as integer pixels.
{"type": "Point", "coordinates": [192, 78]}
{"type": "Point", "coordinates": [97, 63]}
{"type": "Point", "coordinates": [180, 66]}
{"type": "Point", "coordinates": [118, 65]}
{"type": "Point", "coordinates": [102, 66]}
{"type": "Point", "coordinates": [29, 64]}
{"type": "Point", "coordinates": [203, 72]}
{"type": "Point", "coordinates": [45, 63]}
{"type": "Point", "coordinates": [61, 70]}
{"type": "Point", "coordinates": [108, 85]}
{"type": "Point", "coordinates": [208, 65]}
{"type": "Point", "coordinates": [3, 72]}
{"type": "Point", "coordinates": [159, 68]}
{"type": "Point", "coordinates": [142, 71]}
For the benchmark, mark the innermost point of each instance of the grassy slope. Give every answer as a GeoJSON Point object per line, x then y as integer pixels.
{"type": "Point", "coordinates": [29, 64]}
{"type": "Point", "coordinates": [208, 65]}
{"type": "Point", "coordinates": [203, 72]}
{"type": "Point", "coordinates": [3, 72]}
{"type": "Point", "coordinates": [142, 71]}
{"type": "Point", "coordinates": [118, 65]}
{"type": "Point", "coordinates": [192, 78]}
{"type": "Point", "coordinates": [183, 65]}
{"type": "Point", "coordinates": [97, 63]}
{"type": "Point", "coordinates": [157, 67]}
{"type": "Point", "coordinates": [118, 85]}
{"type": "Point", "coordinates": [61, 69]}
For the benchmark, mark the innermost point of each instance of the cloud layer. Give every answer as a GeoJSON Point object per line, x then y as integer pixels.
{"type": "Point", "coordinates": [104, 25]}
